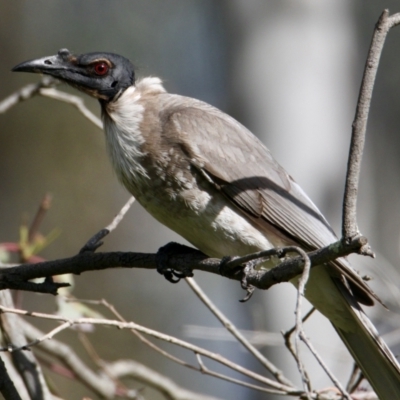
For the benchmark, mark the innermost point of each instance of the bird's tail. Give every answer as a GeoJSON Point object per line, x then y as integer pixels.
{"type": "Point", "coordinates": [370, 352]}
{"type": "Point", "coordinates": [332, 298]}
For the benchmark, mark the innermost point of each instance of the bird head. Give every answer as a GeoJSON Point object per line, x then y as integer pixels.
{"type": "Point", "coordinates": [101, 75]}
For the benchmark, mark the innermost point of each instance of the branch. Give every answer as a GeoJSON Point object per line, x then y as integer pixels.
{"type": "Point", "coordinates": [75, 101]}
{"type": "Point", "coordinates": [100, 384]}
{"type": "Point", "coordinates": [24, 362]}
{"type": "Point", "coordinates": [26, 92]}
{"type": "Point", "coordinates": [236, 333]}
{"type": "Point", "coordinates": [359, 127]}
{"type": "Point", "coordinates": [43, 340]}
{"type": "Point", "coordinates": [95, 241]}
{"type": "Point", "coordinates": [149, 377]}
{"type": "Point", "coordinates": [298, 320]}
{"type": "Point", "coordinates": [19, 277]}
{"type": "Point", "coordinates": [103, 385]}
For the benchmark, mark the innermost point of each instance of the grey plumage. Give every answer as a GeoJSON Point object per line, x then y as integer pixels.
{"type": "Point", "coordinates": [204, 175]}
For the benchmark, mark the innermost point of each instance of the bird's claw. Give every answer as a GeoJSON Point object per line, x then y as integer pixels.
{"type": "Point", "coordinates": [227, 270]}
{"type": "Point", "coordinates": [245, 285]}
{"type": "Point", "coordinates": [163, 261]}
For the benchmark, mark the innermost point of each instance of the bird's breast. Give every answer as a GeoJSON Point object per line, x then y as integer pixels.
{"type": "Point", "coordinates": [155, 169]}
{"type": "Point", "coordinates": [179, 197]}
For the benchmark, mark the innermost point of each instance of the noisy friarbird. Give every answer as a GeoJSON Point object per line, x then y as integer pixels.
{"type": "Point", "coordinates": [204, 175]}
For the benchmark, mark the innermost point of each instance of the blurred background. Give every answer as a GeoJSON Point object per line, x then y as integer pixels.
{"type": "Point", "coordinates": [289, 70]}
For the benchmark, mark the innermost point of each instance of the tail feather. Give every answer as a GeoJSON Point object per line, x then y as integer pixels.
{"type": "Point", "coordinates": [371, 353]}
{"type": "Point", "coordinates": [332, 298]}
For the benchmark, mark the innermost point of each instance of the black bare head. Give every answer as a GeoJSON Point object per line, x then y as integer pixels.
{"type": "Point", "coordinates": [101, 75]}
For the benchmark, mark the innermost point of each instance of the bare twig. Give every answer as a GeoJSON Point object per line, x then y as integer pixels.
{"type": "Point", "coordinates": [95, 241]}
{"type": "Point", "coordinates": [321, 362]}
{"type": "Point", "coordinates": [24, 362]}
{"type": "Point", "coordinates": [283, 389]}
{"type": "Point", "coordinates": [45, 88]}
{"type": "Point", "coordinates": [298, 324]}
{"type": "Point", "coordinates": [355, 379]}
{"type": "Point", "coordinates": [217, 375]}
{"type": "Point", "coordinates": [40, 214]}
{"type": "Point", "coordinates": [75, 101]}
{"type": "Point", "coordinates": [141, 337]}
{"type": "Point", "coordinates": [236, 333]}
{"type": "Point", "coordinates": [101, 384]}
{"type": "Point", "coordinates": [359, 127]}
{"type": "Point", "coordinates": [293, 351]}
{"type": "Point", "coordinates": [258, 338]}
{"type": "Point", "coordinates": [299, 332]}
{"type": "Point", "coordinates": [119, 217]}
{"type": "Point", "coordinates": [158, 349]}
{"type": "Point", "coordinates": [26, 92]}
{"type": "Point", "coordinates": [164, 385]}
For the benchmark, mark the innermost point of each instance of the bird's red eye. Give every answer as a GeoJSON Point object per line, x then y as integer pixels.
{"type": "Point", "coordinates": [101, 68]}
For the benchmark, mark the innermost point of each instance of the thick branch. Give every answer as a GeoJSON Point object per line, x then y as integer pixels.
{"type": "Point", "coordinates": [18, 277]}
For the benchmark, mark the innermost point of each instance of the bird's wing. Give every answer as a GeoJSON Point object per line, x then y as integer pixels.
{"type": "Point", "coordinates": [241, 167]}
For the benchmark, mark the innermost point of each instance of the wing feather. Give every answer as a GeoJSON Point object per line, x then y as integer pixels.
{"type": "Point", "coordinates": [244, 170]}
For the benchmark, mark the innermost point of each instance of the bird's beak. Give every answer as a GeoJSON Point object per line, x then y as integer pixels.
{"type": "Point", "coordinates": [57, 66]}
{"type": "Point", "coordinates": [65, 67]}
{"type": "Point", "coordinates": [75, 70]}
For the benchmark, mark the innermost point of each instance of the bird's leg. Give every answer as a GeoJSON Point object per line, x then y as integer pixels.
{"type": "Point", "coordinates": [227, 269]}
{"type": "Point", "coordinates": [245, 285]}
{"type": "Point", "coordinates": [164, 262]}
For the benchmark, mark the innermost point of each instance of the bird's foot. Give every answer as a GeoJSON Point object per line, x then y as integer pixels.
{"type": "Point", "coordinates": [245, 285]}
{"type": "Point", "coordinates": [163, 261]}
{"type": "Point", "coordinates": [227, 269]}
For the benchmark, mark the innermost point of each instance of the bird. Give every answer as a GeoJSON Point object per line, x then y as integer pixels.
{"type": "Point", "coordinates": [201, 173]}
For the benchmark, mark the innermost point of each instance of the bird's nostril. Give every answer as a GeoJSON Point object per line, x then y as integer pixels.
{"type": "Point", "coordinates": [48, 62]}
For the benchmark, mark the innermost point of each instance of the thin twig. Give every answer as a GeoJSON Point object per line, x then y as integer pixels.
{"type": "Point", "coordinates": [26, 92]}
{"type": "Point", "coordinates": [288, 333]}
{"type": "Point", "coordinates": [120, 388]}
{"type": "Point", "coordinates": [289, 346]}
{"type": "Point", "coordinates": [355, 379]}
{"type": "Point", "coordinates": [321, 362]}
{"type": "Point", "coordinates": [141, 337]}
{"type": "Point", "coordinates": [118, 218]}
{"type": "Point", "coordinates": [25, 362]}
{"type": "Point", "coordinates": [158, 349]}
{"type": "Point", "coordinates": [236, 333]}
{"type": "Point", "coordinates": [359, 126]}
{"type": "Point", "coordinates": [258, 338]}
{"type": "Point", "coordinates": [39, 216]}
{"type": "Point", "coordinates": [141, 373]}
{"type": "Point", "coordinates": [95, 241]}
{"type": "Point", "coordinates": [100, 384]}
{"type": "Point", "coordinates": [298, 324]}
{"type": "Point", "coordinates": [284, 389]}
{"type": "Point", "coordinates": [206, 371]}
{"type": "Point", "coordinates": [75, 101]}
